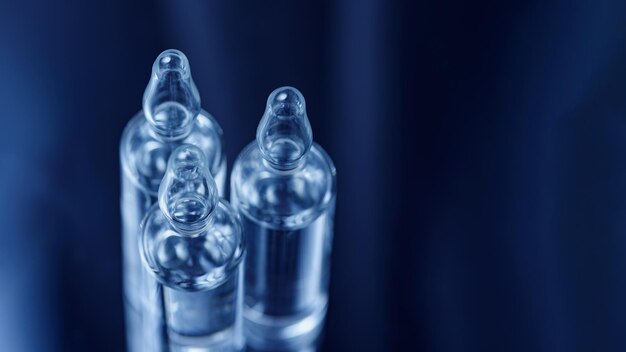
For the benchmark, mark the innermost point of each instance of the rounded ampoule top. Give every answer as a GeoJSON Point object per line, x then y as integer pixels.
{"type": "Point", "coordinates": [171, 116]}
{"type": "Point", "coordinates": [191, 239]}
{"type": "Point", "coordinates": [171, 100]}
{"type": "Point", "coordinates": [283, 179]}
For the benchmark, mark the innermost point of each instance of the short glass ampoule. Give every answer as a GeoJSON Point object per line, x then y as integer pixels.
{"type": "Point", "coordinates": [192, 243]}
{"type": "Point", "coordinates": [284, 186]}
{"type": "Point", "coordinates": [171, 116]}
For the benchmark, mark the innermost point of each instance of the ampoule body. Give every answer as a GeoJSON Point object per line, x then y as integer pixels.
{"type": "Point", "coordinates": [192, 243]}
{"type": "Point", "coordinates": [284, 187]}
{"type": "Point", "coordinates": [171, 116]}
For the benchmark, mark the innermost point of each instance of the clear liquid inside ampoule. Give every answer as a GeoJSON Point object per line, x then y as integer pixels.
{"type": "Point", "coordinates": [205, 320]}
{"type": "Point", "coordinates": [287, 275]}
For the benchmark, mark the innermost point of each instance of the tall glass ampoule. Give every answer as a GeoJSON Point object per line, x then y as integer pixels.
{"type": "Point", "coordinates": [192, 242]}
{"type": "Point", "coordinates": [284, 187]}
{"type": "Point", "coordinates": [171, 116]}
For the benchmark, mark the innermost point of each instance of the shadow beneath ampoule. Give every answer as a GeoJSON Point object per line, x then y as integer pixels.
{"type": "Point", "coordinates": [308, 345]}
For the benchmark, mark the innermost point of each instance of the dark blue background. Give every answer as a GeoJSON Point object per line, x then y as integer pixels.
{"type": "Point", "coordinates": [480, 148]}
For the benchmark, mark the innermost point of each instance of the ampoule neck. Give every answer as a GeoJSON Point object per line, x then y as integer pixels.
{"type": "Point", "coordinates": [168, 136]}
{"type": "Point", "coordinates": [192, 229]}
{"type": "Point", "coordinates": [285, 168]}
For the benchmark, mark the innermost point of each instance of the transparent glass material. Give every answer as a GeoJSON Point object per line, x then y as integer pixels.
{"type": "Point", "coordinates": [171, 116]}
{"type": "Point", "coordinates": [284, 187]}
{"type": "Point", "coordinates": [192, 242]}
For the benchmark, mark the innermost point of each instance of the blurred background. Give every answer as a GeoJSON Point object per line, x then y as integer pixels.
{"type": "Point", "coordinates": [480, 148]}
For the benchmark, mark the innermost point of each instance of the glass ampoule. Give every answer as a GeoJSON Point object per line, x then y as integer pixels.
{"type": "Point", "coordinates": [192, 242]}
{"type": "Point", "coordinates": [171, 116]}
{"type": "Point", "coordinates": [284, 185]}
